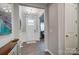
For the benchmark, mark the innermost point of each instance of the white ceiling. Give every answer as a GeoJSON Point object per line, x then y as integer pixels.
{"type": "Point", "coordinates": [36, 5]}
{"type": "Point", "coordinates": [32, 10]}
{"type": "Point", "coordinates": [5, 7]}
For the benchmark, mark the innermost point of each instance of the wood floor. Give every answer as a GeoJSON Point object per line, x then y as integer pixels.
{"type": "Point", "coordinates": [34, 49]}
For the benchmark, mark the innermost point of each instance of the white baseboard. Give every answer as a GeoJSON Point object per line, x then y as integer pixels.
{"type": "Point", "coordinates": [31, 42]}
{"type": "Point", "coordinates": [49, 51]}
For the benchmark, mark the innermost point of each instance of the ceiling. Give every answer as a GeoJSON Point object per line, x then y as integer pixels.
{"type": "Point", "coordinates": [32, 10]}
{"type": "Point", "coordinates": [5, 7]}
{"type": "Point", "coordinates": [36, 5]}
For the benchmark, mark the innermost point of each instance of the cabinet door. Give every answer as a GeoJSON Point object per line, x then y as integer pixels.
{"type": "Point", "coordinates": [14, 51]}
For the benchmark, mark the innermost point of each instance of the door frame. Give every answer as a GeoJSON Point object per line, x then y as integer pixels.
{"type": "Point", "coordinates": [40, 6]}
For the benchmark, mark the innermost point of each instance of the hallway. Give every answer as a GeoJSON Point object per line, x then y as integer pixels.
{"type": "Point", "coordinates": [57, 23]}
{"type": "Point", "coordinates": [34, 49]}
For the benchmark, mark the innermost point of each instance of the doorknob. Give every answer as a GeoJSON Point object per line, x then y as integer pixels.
{"type": "Point", "coordinates": [67, 35]}
{"type": "Point", "coordinates": [76, 35]}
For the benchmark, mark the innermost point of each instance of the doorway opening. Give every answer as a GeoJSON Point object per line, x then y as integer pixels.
{"type": "Point", "coordinates": [32, 27]}
{"type": "Point", "coordinates": [42, 27]}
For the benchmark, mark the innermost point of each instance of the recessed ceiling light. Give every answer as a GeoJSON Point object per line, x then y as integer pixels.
{"type": "Point", "coordinates": [6, 11]}
{"type": "Point", "coordinates": [10, 10]}
{"type": "Point", "coordinates": [4, 8]}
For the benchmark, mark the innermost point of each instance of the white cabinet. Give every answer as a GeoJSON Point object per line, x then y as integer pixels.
{"type": "Point", "coordinates": [14, 51]}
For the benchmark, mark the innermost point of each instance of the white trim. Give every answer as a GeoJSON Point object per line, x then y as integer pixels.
{"type": "Point", "coordinates": [47, 50]}
{"type": "Point", "coordinates": [31, 42]}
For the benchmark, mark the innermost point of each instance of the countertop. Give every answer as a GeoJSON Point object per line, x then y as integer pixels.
{"type": "Point", "coordinates": [5, 50]}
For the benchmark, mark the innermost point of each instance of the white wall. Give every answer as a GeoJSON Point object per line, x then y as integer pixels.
{"type": "Point", "coordinates": [53, 28]}
{"type": "Point", "coordinates": [22, 18]}
{"type": "Point", "coordinates": [15, 21]}
{"type": "Point", "coordinates": [56, 28]}
{"type": "Point", "coordinates": [61, 28]}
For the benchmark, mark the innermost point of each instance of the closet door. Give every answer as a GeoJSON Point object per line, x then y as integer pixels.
{"type": "Point", "coordinates": [70, 28]}
{"type": "Point", "coordinates": [30, 28]}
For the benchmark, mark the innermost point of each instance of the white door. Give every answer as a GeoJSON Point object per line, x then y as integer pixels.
{"type": "Point", "coordinates": [30, 29]}
{"type": "Point", "coordinates": [71, 28]}
{"type": "Point", "coordinates": [71, 43]}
